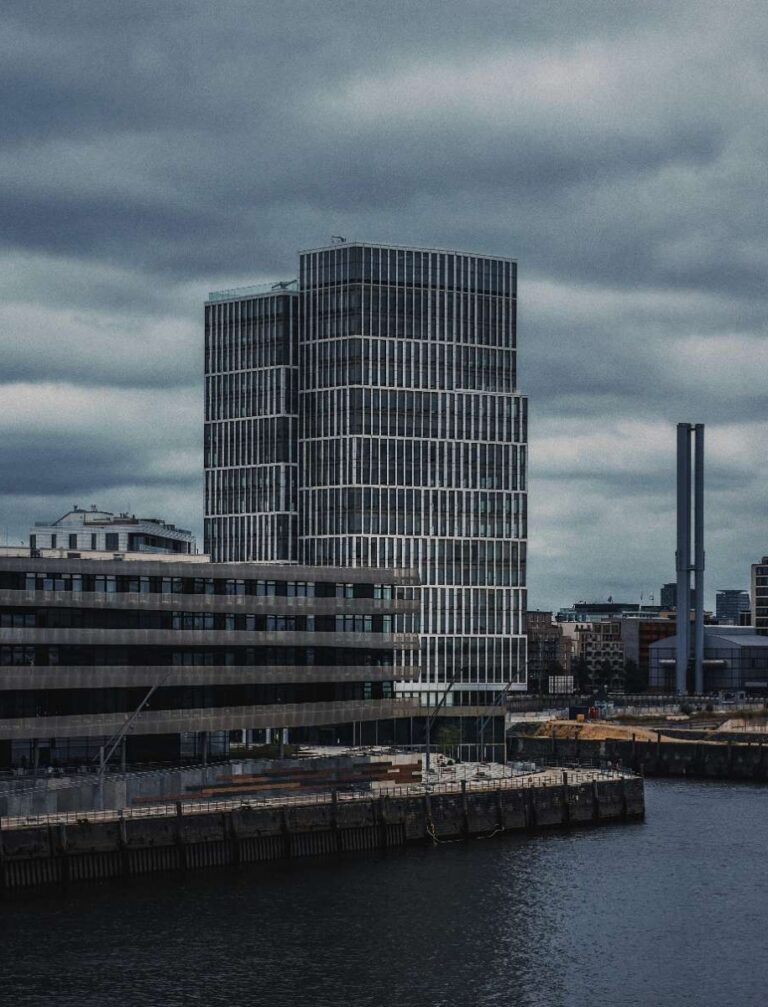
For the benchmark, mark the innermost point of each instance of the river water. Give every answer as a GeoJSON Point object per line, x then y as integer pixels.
{"type": "Point", "coordinates": [671, 911]}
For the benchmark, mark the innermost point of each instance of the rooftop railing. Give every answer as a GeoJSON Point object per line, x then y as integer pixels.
{"type": "Point", "coordinates": [256, 290]}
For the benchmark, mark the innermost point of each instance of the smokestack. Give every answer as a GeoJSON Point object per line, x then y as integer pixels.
{"type": "Point", "coordinates": [683, 556]}
{"type": "Point", "coordinates": [698, 558]}
{"type": "Point", "coordinates": [683, 565]}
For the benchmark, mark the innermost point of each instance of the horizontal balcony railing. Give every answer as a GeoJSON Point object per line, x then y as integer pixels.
{"type": "Point", "coordinates": [222, 718]}
{"type": "Point", "coordinates": [237, 604]}
{"type": "Point", "coordinates": [102, 676]}
{"type": "Point", "coordinates": [209, 638]}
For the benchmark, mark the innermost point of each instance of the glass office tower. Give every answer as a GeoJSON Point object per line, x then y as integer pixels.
{"type": "Point", "coordinates": [251, 424]}
{"type": "Point", "coordinates": [412, 447]}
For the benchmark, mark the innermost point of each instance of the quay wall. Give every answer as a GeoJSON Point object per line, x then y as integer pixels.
{"type": "Point", "coordinates": [90, 849]}
{"type": "Point", "coordinates": [711, 760]}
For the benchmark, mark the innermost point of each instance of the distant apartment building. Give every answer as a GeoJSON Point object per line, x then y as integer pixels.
{"type": "Point", "coordinates": [211, 648]}
{"type": "Point", "coordinates": [637, 635]}
{"type": "Point", "coordinates": [602, 611]}
{"type": "Point", "coordinates": [95, 530]}
{"type": "Point", "coordinates": [600, 647]}
{"type": "Point", "coordinates": [759, 595]}
{"type": "Point", "coordinates": [730, 606]}
{"type": "Point", "coordinates": [549, 651]}
{"type": "Point", "coordinates": [369, 415]}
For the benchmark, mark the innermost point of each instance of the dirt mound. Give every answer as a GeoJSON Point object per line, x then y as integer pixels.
{"type": "Point", "coordinates": [595, 731]}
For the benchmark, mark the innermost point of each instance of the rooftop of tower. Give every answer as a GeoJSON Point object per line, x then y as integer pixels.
{"type": "Point", "coordinates": [256, 290]}
{"type": "Point", "coordinates": [349, 243]}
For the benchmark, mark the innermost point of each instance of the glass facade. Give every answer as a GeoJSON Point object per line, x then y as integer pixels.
{"type": "Point", "coordinates": [412, 445]}
{"type": "Point", "coordinates": [250, 427]}
{"type": "Point", "coordinates": [372, 418]}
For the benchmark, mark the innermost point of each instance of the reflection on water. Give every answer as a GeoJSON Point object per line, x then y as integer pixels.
{"type": "Point", "coordinates": [671, 911]}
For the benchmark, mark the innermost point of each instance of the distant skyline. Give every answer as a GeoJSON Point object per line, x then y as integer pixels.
{"type": "Point", "coordinates": [155, 152]}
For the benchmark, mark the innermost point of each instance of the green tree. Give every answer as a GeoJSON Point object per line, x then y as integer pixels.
{"type": "Point", "coordinates": [604, 675]}
{"type": "Point", "coordinates": [581, 676]}
{"type": "Point", "coordinates": [448, 738]}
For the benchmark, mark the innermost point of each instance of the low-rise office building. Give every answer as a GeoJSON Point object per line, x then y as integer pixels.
{"type": "Point", "coordinates": [95, 530]}
{"type": "Point", "coordinates": [224, 647]}
{"type": "Point", "coordinates": [735, 658]}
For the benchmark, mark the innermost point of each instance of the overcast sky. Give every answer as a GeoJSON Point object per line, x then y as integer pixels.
{"type": "Point", "coordinates": [154, 151]}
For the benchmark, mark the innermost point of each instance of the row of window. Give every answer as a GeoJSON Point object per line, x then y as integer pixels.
{"type": "Point", "coordinates": [406, 267]}
{"type": "Point", "coordinates": [390, 412]}
{"type": "Point", "coordinates": [265, 392]}
{"type": "Point", "coordinates": [263, 441]}
{"type": "Point", "coordinates": [440, 561]}
{"type": "Point", "coordinates": [143, 656]}
{"type": "Point", "coordinates": [407, 314]}
{"type": "Point", "coordinates": [438, 513]}
{"type": "Point", "coordinates": [407, 364]}
{"type": "Point", "coordinates": [251, 538]}
{"type": "Point", "coordinates": [111, 618]}
{"type": "Point", "coordinates": [391, 462]}
{"type": "Point", "coordinates": [467, 659]}
{"type": "Point", "coordinates": [89, 702]}
{"type": "Point", "coordinates": [137, 584]}
{"type": "Point", "coordinates": [253, 333]}
{"type": "Point", "coordinates": [268, 489]}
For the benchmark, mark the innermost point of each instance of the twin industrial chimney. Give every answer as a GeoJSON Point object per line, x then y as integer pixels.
{"type": "Point", "coordinates": [687, 433]}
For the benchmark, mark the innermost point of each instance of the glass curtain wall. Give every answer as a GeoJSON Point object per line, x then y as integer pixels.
{"type": "Point", "coordinates": [412, 446]}
{"type": "Point", "coordinates": [251, 427]}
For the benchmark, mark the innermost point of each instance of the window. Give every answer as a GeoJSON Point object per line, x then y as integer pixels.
{"type": "Point", "coordinates": [53, 541]}
{"type": "Point", "coordinates": [73, 541]}
{"type": "Point", "coordinates": [113, 541]}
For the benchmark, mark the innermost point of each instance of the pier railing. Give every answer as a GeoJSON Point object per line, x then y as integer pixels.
{"type": "Point", "coordinates": [541, 776]}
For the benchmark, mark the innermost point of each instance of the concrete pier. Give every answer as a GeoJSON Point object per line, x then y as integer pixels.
{"type": "Point", "coordinates": [189, 836]}
{"type": "Point", "coordinates": [695, 758]}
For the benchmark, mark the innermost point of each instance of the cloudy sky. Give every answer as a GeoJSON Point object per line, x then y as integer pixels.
{"type": "Point", "coordinates": [154, 151]}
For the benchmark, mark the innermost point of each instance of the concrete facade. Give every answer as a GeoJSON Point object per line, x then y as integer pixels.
{"type": "Point", "coordinates": [224, 647]}
{"type": "Point", "coordinates": [95, 530]}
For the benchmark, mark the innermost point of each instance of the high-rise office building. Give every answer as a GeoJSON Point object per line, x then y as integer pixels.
{"type": "Point", "coordinates": [668, 596]}
{"type": "Point", "coordinates": [730, 605]}
{"type": "Point", "coordinates": [410, 450]}
{"type": "Point", "coordinates": [759, 596]}
{"type": "Point", "coordinates": [251, 424]}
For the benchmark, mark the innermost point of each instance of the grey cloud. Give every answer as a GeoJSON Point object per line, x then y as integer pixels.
{"type": "Point", "coordinates": [155, 151]}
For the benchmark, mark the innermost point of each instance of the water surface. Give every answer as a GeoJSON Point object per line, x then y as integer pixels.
{"type": "Point", "coordinates": [668, 912]}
